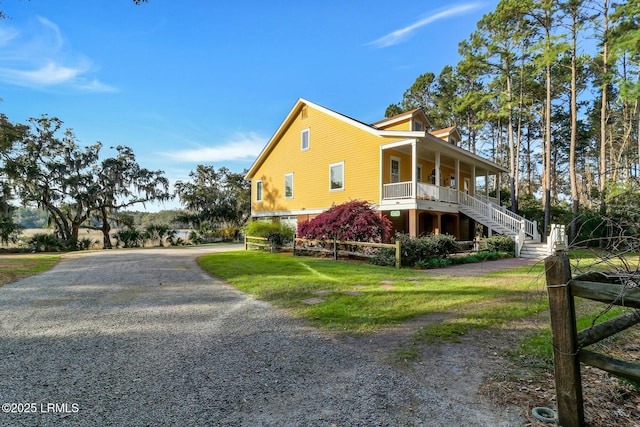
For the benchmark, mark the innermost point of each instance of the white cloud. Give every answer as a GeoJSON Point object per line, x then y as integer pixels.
{"type": "Point", "coordinates": [242, 146]}
{"type": "Point", "coordinates": [397, 36]}
{"type": "Point", "coordinates": [37, 56]}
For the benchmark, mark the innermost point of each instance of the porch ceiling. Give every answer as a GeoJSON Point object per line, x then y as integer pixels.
{"type": "Point", "coordinates": [426, 151]}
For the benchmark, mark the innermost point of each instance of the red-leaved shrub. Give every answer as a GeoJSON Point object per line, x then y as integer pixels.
{"type": "Point", "coordinates": [351, 221]}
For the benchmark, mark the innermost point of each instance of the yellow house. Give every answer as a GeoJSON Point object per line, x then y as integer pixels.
{"type": "Point", "coordinates": [422, 181]}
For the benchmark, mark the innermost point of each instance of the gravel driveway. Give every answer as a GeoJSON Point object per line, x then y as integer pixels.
{"type": "Point", "coordinates": [145, 338]}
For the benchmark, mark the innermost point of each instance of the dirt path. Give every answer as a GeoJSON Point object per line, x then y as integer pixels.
{"type": "Point", "coordinates": [146, 338]}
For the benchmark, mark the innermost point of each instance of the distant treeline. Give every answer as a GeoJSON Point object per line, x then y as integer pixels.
{"type": "Point", "coordinates": [37, 218]}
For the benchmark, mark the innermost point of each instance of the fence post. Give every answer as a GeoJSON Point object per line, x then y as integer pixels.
{"type": "Point", "coordinates": [564, 337]}
{"type": "Point", "coordinates": [246, 246]}
{"type": "Point", "coordinates": [398, 260]}
{"type": "Point", "coordinates": [335, 250]}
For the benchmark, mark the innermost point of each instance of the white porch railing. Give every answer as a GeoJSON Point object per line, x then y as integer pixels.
{"type": "Point", "coordinates": [404, 190]}
{"type": "Point", "coordinates": [398, 190]}
{"type": "Point", "coordinates": [483, 208]}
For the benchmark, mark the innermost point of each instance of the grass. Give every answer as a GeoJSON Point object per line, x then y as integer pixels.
{"type": "Point", "coordinates": [536, 350]}
{"type": "Point", "coordinates": [286, 281]}
{"type": "Point", "coordinates": [15, 267]}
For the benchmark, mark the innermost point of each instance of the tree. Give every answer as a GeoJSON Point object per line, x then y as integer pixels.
{"type": "Point", "coordinates": [123, 183]}
{"type": "Point", "coordinates": [70, 182]}
{"type": "Point", "coordinates": [494, 48]}
{"type": "Point", "coordinates": [9, 134]}
{"type": "Point", "coordinates": [215, 197]}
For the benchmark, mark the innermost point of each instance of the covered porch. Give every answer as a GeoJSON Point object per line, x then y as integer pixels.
{"type": "Point", "coordinates": [430, 169]}
{"type": "Point", "coordinates": [428, 185]}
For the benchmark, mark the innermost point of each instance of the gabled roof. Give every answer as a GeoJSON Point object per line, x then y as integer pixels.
{"type": "Point", "coordinates": [301, 102]}
{"type": "Point", "coordinates": [401, 117]}
{"type": "Point", "coordinates": [446, 132]}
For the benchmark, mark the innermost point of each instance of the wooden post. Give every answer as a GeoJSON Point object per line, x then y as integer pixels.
{"type": "Point", "coordinates": [246, 246]}
{"type": "Point", "coordinates": [398, 259]}
{"type": "Point", "coordinates": [335, 250]}
{"type": "Point", "coordinates": [565, 349]}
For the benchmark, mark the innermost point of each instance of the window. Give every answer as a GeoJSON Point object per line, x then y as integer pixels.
{"type": "Point", "coordinates": [259, 191]}
{"type": "Point", "coordinates": [304, 139]}
{"type": "Point", "coordinates": [452, 181]}
{"type": "Point", "coordinates": [288, 186]}
{"type": "Point", "coordinates": [336, 177]}
{"type": "Point", "coordinates": [395, 169]}
{"type": "Point", "coordinates": [419, 172]}
{"type": "Point", "coordinates": [417, 125]}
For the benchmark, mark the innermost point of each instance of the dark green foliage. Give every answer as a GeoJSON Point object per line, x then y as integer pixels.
{"type": "Point", "coordinates": [42, 242]}
{"type": "Point", "coordinates": [276, 232]}
{"type": "Point", "coordinates": [417, 250]}
{"type": "Point", "coordinates": [414, 250]}
{"type": "Point", "coordinates": [498, 243]}
{"type": "Point", "coordinates": [469, 259]}
{"type": "Point", "coordinates": [216, 197]}
{"type": "Point", "coordinates": [159, 234]}
{"type": "Point", "coordinates": [129, 238]}
{"type": "Point", "coordinates": [385, 257]}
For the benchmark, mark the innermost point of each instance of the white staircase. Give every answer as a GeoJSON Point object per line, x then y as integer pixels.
{"type": "Point", "coordinates": [534, 250]}
{"type": "Point", "coordinates": [501, 221]}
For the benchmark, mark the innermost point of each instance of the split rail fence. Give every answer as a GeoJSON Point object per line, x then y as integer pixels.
{"type": "Point", "coordinates": [568, 343]}
{"type": "Point", "coordinates": [335, 248]}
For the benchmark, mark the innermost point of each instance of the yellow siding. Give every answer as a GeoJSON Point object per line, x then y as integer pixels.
{"type": "Point", "coordinates": [405, 166]}
{"type": "Point", "coordinates": [402, 125]}
{"type": "Point", "coordinates": [330, 141]}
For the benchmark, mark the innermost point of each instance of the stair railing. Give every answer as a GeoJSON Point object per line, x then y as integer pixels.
{"type": "Point", "coordinates": [503, 217]}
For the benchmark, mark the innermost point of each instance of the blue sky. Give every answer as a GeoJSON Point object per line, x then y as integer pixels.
{"type": "Point", "coordinates": [188, 82]}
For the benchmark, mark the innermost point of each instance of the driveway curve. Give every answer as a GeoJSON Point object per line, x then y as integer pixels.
{"type": "Point", "coordinates": [145, 338]}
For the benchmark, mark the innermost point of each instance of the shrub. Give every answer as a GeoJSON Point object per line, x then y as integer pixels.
{"type": "Point", "coordinates": [385, 257]}
{"type": "Point", "coordinates": [352, 221]}
{"type": "Point", "coordinates": [129, 238]}
{"type": "Point", "coordinates": [85, 244]}
{"type": "Point", "coordinates": [277, 233]}
{"type": "Point", "coordinates": [42, 242]}
{"type": "Point", "coordinates": [498, 243]}
{"type": "Point", "coordinates": [414, 250]}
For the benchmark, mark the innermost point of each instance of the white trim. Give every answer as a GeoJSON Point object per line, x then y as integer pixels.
{"type": "Point", "coordinates": [288, 213]}
{"type": "Point", "coordinates": [397, 144]}
{"type": "Point", "coordinates": [259, 193]}
{"type": "Point", "coordinates": [302, 132]}
{"type": "Point", "coordinates": [285, 185]}
{"type": "Point", "coordinates": [399, 160]}
{"type": "Point", "coordinates": [343, 174]}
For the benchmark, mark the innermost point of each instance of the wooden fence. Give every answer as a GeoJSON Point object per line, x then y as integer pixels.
{"type": "Point", "coordinates": [340, 247]}
{"type": "Point", "coordinates": [256, 242]}
{"type": "Point", "coordinates": [333, 247]}
{"type": "Point", "coordinates": [568, 343]}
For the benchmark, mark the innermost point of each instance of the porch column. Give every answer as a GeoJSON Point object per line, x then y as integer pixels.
{"type": "Point", "coordinates": [472, 190]}
{"type": "Point", "coordinates": [458, 183]}
{"type": "Point", "coordinates": [380, 186]}
{"type": "Point", "coordinates": [498, 185]}
{"type": "Point", "coordinates": [414, 169]}
{"type": "Point", "coordinates": [438, 228]}
{"type": "Point", "coordinates": [437, 169]}
{"type": "Point", "coordinates": [413, 223]}
{"type": "Point", "coordinates": [486, 183]}
{"type": "Point", "coordinates": [457, 226]}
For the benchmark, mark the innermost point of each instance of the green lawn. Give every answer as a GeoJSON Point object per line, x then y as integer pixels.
{"type": "Point", "coordinates": [387, 296]}
{"type": "Point", "coordinates": [15, 267]}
